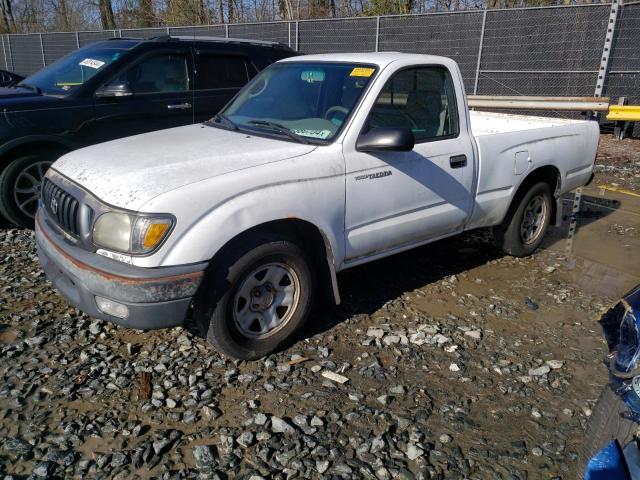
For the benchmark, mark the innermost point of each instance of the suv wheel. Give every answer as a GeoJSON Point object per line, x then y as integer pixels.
{"type": "Point", "coordinates": [257, 299]}
{"type": "Point", "coordinates": [20, 184]}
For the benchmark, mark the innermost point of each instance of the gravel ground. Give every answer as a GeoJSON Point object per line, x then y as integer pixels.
{"type": "Point", "coordinates": [459, 363]}
{"type": "Point", "coordinates": [618, 162]}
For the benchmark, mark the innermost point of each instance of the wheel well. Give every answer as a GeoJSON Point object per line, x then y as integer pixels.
{"type": "Point", "coordinates": [308, 237]}
{"type": "Point", "coordinates": [32, 147]}
{"type": "Point", "coordinates": [548, 174]}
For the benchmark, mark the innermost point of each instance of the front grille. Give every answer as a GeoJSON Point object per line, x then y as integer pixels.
{"type": "Point", "coordinates": [62, 207]}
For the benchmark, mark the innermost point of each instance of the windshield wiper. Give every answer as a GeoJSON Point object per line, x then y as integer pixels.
{"type": "Point", "coordinates": [222, 121]}
{"type": "Point", "coordinates": [29, 87]}
{"type": "Point", "coordinates": [280, 129]}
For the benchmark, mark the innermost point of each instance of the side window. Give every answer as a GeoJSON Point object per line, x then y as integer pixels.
{"type": "Point", "coordinates": [220, 71]}
{"type": "Point", "coordinates": [421, 99]}
{"type": "Point", "coordinates": [163, 73]}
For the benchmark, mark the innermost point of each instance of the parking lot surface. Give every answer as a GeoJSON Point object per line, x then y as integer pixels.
{"type": "Point", "coordinates": [457, 362]}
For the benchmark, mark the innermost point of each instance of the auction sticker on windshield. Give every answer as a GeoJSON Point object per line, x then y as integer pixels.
{"type": "Point", "coordinates": [92, 63]}
{"type": "Point", "coordinates": [322, 134]}
{"type": "Point", "coordinates": [362, 72]}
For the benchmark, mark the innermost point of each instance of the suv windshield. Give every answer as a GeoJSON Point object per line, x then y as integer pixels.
{"type": "Point", "coordinates": [309, 100]}
{"type": "Point", "coordinates": [73, 70]}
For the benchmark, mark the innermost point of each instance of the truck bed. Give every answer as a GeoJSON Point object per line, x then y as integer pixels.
{"type": "Point", "coordinates": [489, 123]}
{"type": "Point", "coordinates": [512, 146]}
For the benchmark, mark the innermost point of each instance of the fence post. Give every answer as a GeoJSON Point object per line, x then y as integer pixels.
{"type": "Point", "coordinates": [289, 31]}
{"type": "Point", "coordinates": [226, 30]}
{"type": "Point", "coordinates": [606, 49]}
{"type": "Point", "coordinates": [44, 61]}
{"type": "Point", "coordinates": [4, 53]}
{"type": "Point", "coordinates": [297, 35]}
{"type": "Point", "coordinates": [484, 22]}
{"type": "Point", "coordinates": [77, 39]}
{"type": "Point", "coordinates": [13, 67]}
{"type": "Point", "coordinates": [377, 33]}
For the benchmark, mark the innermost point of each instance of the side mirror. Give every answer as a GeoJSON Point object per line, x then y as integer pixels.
{"type": "Point", "coordinates": [116, 89]}
{"type": "Point", "coordinates": [386, 139]}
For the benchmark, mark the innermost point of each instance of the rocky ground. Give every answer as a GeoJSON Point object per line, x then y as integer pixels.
{"type": "Point", "coordinates": [618, 162]}
{"type": "Point", "coordinates": [459, 363]}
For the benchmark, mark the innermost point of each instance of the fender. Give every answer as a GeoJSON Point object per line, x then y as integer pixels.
{"type": "Point", "coordinates": [33, 139]}
{"type": "Point", "coordinates": [213, 212]}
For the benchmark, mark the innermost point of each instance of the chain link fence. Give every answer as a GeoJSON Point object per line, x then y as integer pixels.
{"type": "Point", "coordinates": [529, 51]}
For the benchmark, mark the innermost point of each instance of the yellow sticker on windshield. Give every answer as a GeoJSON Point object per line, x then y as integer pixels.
{"type": "Point", "coordinates": [362, 72]}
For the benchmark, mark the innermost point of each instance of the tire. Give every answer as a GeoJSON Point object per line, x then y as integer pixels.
{"type": "Point", "coordinates": [236, 307]}
{"type": "Point", "coordinates": [20, 187]}
{"type": "Point", "coordinates": [606, 424]}
{"type": "Point", "coordinates": [531, 213]}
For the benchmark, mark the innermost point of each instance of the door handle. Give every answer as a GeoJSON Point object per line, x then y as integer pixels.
{"type": "Point", "coordinates": [179, 106]}
{"type": "Point", "coordinates": [458, 161]}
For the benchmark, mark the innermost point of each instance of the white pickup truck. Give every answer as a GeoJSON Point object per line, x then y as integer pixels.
{"type": "Point", "coordinates": [319, 164]}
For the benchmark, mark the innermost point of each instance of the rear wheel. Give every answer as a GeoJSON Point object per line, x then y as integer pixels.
{"type": "Point", "coordinates": [255, 296]}
{"type": "Point", "coordinates": [20, 184]}
{"type": "Point", "coordinates": [526, 222]}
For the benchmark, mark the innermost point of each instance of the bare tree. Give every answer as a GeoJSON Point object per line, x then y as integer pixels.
{"type": "Point", "coordinates": [146, 14]}
{"type": "Point", "coordinates": [8, 21]}
{"type": "Point", "coordinates": [107, 19]}
{"type": "Point", "coordinates": [63, 14]}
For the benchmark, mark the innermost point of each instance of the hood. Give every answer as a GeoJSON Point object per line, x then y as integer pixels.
{"type": "Point", "coordinates": [22, 100]}
{"type": "Point", "coordinates": [129, 172]}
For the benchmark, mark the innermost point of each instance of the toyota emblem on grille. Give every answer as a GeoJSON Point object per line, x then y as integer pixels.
{"type": "Point", "coordinates": [54, 206]}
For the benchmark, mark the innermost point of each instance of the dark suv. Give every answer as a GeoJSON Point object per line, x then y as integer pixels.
{"type": "Point", "coordinates": [114, 89]}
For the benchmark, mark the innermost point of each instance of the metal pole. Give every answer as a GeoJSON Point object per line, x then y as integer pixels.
{"type": "Point", "coordinates": [606, 49]}
{"type": "Point", "coordinates": [377, 33]}
{"type": "Point", "coordinates": [13, 67]}
{"type": "Point", "coordinates": [77, 39]}
{"type": "Point", "coordinates": [4, 53]}
{"type": "Point", "coordinates": [484, 22]}
{"type": "Point", "coordinates": [289, 29]}
{"type": "Point", "coordinates": [297, 35]}
{"type": "Point", "coordinates": [44, 61]}
{"type": "Point", "coordinates": [226, 30]}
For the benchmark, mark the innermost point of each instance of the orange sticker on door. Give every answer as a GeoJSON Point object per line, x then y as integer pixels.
{"type": "Point", "coordinates": [362, 72]}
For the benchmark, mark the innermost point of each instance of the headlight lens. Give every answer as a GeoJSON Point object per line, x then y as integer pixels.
{"type": "Point", "coordinates": [127, 233]}
{"type": "Point", "coordinates": [113, 231]}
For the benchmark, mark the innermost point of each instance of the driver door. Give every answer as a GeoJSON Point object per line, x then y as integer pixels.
{"type": "Point", "coordinates": [397, 199]}
{"type": "Point", "coordinates": [161, 96]}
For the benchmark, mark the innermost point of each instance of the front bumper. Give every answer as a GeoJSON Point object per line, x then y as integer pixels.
{"type": "Point", "coordinates": [155, 297]}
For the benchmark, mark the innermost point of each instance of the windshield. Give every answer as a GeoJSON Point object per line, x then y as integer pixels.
{"type": "Point", "coordinates": [73, 70]}
{"type": "Point", "coordinates": [309, 100]}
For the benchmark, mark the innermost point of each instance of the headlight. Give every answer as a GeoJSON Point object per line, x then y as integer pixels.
{"type": "Point", "coordinates": [128, 233]}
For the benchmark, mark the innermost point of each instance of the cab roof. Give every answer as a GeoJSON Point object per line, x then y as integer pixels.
{"type": "Point", "coordinates": [380, 59]}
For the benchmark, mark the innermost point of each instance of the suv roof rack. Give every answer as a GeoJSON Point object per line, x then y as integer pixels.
{"type": "Point", "coordinates": [206, 38]}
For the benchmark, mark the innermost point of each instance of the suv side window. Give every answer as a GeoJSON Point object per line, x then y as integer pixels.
{"type": "Point", "coordinates": [163, 73]}
{"type": "Point", "coordinates": [220, 71]}
{"type": "Point", "coordinates": [421, 99]}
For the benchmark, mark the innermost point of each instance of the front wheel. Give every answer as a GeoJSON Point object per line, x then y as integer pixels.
{"type": "Point", "coordinates": [525, 225]}
{"type": "Point", "coordinates": [255, 296]}
{"type": "Point", "coordinates": [20, 184]}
